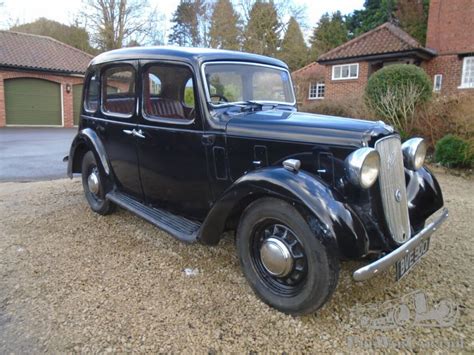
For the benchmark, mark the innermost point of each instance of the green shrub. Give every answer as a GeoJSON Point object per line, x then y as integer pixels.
{"type": "Point", "coordinates": [453, 151]}
{"type": "Point", "coordinates": [394, 92]}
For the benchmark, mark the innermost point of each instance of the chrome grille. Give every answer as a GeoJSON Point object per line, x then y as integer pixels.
{"type": "Point", "coordinates": [393, 187]}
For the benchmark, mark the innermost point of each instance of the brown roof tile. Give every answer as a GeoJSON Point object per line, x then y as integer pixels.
{"type": "Point", "coordinates": [312, 69]}
{"type": "Point", "coordinates": [387, 38]}
{"type": "Point", "coordinates": [41, 53]}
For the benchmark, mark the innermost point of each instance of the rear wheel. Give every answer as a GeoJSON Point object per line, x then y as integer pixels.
{"type": "Point", "coordinates": [94, 187]}
{"type": "Point", "coordinates": [284, 262]}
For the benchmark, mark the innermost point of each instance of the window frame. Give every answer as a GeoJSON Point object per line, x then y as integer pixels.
{"type": "Point", "coordinates": [235, 62]}
{"type": "Point", "coordinates": [464, 72]}
{"type": "Point", "coordinates": [318, 85]}
{"type": "Point", "coordinates": [102, 73]}
{"type": "Point", "coordinates": [435, 89]}
{"type": "Point", "coordinates": [168, 120]}
{"type": "Point", "coordinates": [86, 91]}
{"type": "Point", "coordinates": [333, 69]}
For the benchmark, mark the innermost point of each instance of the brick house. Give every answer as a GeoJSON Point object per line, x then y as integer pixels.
{"type": "Point", "coordinates": [448, 57]}
{"type": "Point", "coordinates": [40, 80]}
{"type": "Point", "coordinates": [451, 35]}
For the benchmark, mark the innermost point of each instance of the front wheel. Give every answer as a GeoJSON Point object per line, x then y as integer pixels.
{"type": "Point", "coordinates": [284, 262]}
{"type": "Point", "coordinates": [93, 183]}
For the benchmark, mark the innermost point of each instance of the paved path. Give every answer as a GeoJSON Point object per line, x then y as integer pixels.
{"type": "Point", "coordinates": [31, 154]}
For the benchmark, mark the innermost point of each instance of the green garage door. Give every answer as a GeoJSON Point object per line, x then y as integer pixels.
{"type": "Point", "coordinates": [32, 102]}
{"type": "Point", "coordinates": [77, 101]}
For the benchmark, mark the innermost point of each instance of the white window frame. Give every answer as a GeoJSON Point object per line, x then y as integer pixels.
{"type": "Point", "coordinates": [318, 85]}
{"type": "Point", "coordinates": [464, 72]}
{"type": "Point", "coordinates": [435, 88]}
{"type": "Point", "coordinates": [349, 71]}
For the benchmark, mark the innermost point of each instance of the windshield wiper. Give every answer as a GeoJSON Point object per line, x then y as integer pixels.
{"type": "Point", "coordinates": [257, 105]}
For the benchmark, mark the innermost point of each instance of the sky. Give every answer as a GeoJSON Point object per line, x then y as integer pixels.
{"type": "Point", "coordinates": [63, 10]}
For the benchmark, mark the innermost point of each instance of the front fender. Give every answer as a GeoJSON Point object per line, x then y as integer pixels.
{"type": "Point", "coordinates": [324, 209]}
{"type": "Point", "coordinates": [86, 139]}
{"type": "Point", "coordinates": [423, 194]}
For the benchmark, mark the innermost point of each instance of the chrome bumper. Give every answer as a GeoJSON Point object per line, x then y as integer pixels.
{"type": "Point", "coordinates": [368, 271]}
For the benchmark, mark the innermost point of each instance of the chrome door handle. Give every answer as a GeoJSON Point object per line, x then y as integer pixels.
{"type": "Point", "coordinates": [128, 131]}
{"type": "Point", "coordinates": [138, 133]}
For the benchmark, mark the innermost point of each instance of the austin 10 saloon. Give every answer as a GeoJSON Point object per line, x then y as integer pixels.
{"type": "Point", "coordinates": [199, 142]}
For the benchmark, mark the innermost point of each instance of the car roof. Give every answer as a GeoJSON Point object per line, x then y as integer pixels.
{"type": "Point", "coordinates": [192, 55]}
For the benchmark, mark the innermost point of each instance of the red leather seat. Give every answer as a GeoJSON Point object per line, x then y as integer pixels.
{"type": "Point", "coordinates": [165, 108]}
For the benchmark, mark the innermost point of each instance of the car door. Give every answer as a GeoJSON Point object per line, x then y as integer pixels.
{"type": "Point", "coordinates": [171, 151]}
{"type": "Point", "coordinates": [118, 124]}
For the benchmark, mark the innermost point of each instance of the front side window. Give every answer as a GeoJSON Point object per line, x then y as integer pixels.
{"type": "Point", "coordinates": [467, 80]}
{"type": "Point", "coordinates": [92, 94]}
{"type": "Point", "coordinates": [345, 71]}
{"type": "Point", "coordinates": [239, 82]}
{"type": "Point", "coordinates": [118, 90]}
{"type": "Point", "coordinates": [316, 91]}
{"type": "Point", "coordinates": [169, 92]}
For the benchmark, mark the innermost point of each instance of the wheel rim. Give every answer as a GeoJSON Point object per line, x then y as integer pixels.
{"type": "Point", "coordinates": [279, 258]}
{"type": "Point", "coordinates": [93, 183]}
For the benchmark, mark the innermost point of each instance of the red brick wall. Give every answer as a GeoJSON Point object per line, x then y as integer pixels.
{"type": "Point", "coordinates": [450, 66]}
{"type": "Point", "coordinates": [302, 78]}
{"type": "Point", "coordinates": [450, 26]}
{"type": "Point", "coordinates": [340, 89]}
{"type": "Point", "coordinates": [63, 80]}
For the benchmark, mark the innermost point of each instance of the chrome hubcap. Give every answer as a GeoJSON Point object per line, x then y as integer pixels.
{"type": "Point", "coordinates": [276, 257]}
{"type": "Point", "coordinates": [93, 181]}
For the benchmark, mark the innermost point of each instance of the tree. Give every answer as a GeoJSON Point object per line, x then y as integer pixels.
{"type": "Point", "coordinates": [293, 47]}
{"type": "Point", "coordinates": [374, 13]}
{"type": "Point", "coordinates": [73, 35]}
{"type": "Point", "coordinates": [189, 27]}
{"type": "Point", "coordinates": [412, 16]}
{"type": "Point", "coordinates": [225, 31]}
{"type": "Point", "coordinates": [395, 91]}
{"type": "Point", "coordinates": [330, 32]}
{"type": "Point", "coordinates": [115, 23]}
{"type": "Point", "coordinates": [261, 34]}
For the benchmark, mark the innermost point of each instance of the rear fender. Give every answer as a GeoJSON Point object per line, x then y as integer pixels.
{"type": "Point", "coordinates": [332, 220]}
{"type": "Point", "coordinates": [84, 141]}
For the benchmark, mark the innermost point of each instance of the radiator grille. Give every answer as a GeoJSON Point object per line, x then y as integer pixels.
{"type": "Point", "coordinates": [393, 188]}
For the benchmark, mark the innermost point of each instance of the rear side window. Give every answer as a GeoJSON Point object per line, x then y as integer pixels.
{"type": "Point", "coordinates": [118, 90]}
{"type": "Point", "coordinates": [92, 94]}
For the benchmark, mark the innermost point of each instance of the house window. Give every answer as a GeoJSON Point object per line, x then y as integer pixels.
{"type": "Point", "coordinates": [438, 81]}
{"type": "Point", "coordinates": [468, 73]}
{"type": "Point", "coordinates": [345, 71]}
{"type": "Point", "coordinates": [316, 91]}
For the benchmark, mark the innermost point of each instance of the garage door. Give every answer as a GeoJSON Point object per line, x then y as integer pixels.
{"type": "Point", "coordinates": [76, 101]}
{"type": "Point", "coordinates": [32, 102]}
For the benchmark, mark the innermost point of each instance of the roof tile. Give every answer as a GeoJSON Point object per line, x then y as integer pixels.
{"type": "Point", "coordinates": [30, 51]}
{"type": "Point", "coordinates": [387, 38]}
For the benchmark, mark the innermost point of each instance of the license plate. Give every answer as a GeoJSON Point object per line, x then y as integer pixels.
{"type": "Point", "coordinates": [404, 265]}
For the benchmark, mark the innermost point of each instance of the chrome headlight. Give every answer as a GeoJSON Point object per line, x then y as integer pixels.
{"type": "Point", "coordinates": [363, 167]}
{"type": "Point", "coordinates": [414, 153]}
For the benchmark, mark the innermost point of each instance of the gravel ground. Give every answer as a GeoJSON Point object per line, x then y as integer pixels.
{"type": "Point", "coordinates": [75, 281]}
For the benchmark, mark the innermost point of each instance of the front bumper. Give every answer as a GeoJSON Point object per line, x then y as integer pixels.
{"type": "Point", "coordinates": [368, 271]}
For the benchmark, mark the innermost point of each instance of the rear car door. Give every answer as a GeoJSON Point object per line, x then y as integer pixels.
{"type": "Point", "coordinates": [173, 164]}
{"type": "Point", "coordinates": [117, 124]}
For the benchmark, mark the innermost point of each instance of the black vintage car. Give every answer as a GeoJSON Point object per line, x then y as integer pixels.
{"type": "Point", "coordinates": [200, 141]}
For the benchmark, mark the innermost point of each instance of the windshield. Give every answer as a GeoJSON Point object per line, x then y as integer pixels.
{"type": "Point", "coordinates": [242, 82]}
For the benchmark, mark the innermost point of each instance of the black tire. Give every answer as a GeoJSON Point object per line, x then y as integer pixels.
{"type": "Point", "coordinates": [97, 202]}
{"type": "Point", "coordinates": [316, 273]}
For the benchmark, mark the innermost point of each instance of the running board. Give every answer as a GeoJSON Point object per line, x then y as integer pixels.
{"type": "Point", "coordinates": [179, 227]}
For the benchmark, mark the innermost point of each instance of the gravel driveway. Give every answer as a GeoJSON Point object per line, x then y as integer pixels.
{"type": "Point", "coordinates": [75, 281]}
